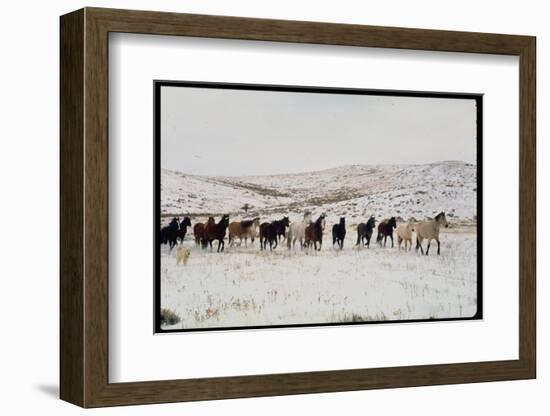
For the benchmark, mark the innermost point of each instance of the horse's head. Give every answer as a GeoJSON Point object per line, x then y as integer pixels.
{"type": "Point", "coordinates": [442, 219]}
{"type": "Point", "coordinates": [392, 223]}
{"type": "Point", "coordinates": [256, 222]}
{"type": "Point", "coordinates": [285, 222]}
{"type": "Point", "coordinates": [225, 219]}
{"type": "Point", "coordinates": [371, 222]}
{"type": "Point", "coordinates": [186, 222]}
{"type": "Point", "coordinates": [342, 220]}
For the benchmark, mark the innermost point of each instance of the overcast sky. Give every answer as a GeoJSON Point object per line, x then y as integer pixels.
{"type": "Point", "coordinates": [235, 132]}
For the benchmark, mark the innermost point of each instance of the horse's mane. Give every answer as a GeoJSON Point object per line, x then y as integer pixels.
{"type": "Point", "coordinates": [438, 216]}
{"type": "Point", "coordinates": [247, 223]}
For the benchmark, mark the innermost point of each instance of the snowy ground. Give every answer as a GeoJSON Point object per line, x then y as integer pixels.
{"type": "Point", "coordinates": [246, 287]}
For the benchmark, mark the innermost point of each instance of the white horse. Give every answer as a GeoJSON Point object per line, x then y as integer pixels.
{"type": "Point", "coordinates": [297, 231]}
{"type": "Point", "coordinates": [404, 233]}
{"type": "Point", "coordinates": [429, 230]}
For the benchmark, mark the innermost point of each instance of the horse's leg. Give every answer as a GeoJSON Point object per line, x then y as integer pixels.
{"type": "Point", "coordinates": [391, 236]}
{"type": "Point", "coordinates": [438, 246]}
{"type": "Point", "coordinates": [419, 245]}
{"type": "Point", "coordinates": [428, 249]}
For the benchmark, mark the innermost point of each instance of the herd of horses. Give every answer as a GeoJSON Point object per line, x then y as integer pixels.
{"type": "Point", "coordinates": [307, 232]}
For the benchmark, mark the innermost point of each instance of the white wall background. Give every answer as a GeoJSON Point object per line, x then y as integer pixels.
{"type": "Point", "coordinates": [29, 180]}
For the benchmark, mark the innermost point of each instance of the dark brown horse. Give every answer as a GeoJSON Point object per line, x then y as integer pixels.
{"type": "Point", "coordinates": [385, 230]}
{"type": "Point", "coordinates": [216, 231]}
{"type": "Point", "coordinates": [314, 233]}
{"type": "Point", "coordinates": [270, 232]}
{"type": "Point", "coordinates": [199, 232]}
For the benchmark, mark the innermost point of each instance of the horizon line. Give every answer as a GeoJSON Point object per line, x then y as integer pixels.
{"type": "Point", "coordinates": [448, 161]}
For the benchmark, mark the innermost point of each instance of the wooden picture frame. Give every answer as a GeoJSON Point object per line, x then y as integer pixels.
{"type": "Point", "coordinates": [84, 207]}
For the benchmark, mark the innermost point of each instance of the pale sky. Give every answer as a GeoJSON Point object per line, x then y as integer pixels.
{"type": "Point", "coordinates": [225, 132]}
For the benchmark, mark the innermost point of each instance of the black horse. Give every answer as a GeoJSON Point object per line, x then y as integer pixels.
{"type": "Point", "coordinates": [169, 234]}
{"type": "Point", "coordinates": [270, 232]}
{"type": "Point", "coordinates": [339, 233]}
{"type": "Point", "coordinates": [281, 226]}
{"type": "Point", "coordinates": [364, 232]}
{"type": "Point", "coordinates": [183, 228]}
{"type": "Point", "coordinates": [385, 230]}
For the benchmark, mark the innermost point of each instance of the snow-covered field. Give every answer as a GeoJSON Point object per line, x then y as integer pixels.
{"type": "Point", "coordinates": [246, 287]}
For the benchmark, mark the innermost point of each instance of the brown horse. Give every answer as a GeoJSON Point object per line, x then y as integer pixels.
{"type": "Point", "coordinates": [314, 232]}
{"type": "Point", "coordinates": [385, 230]}
{"type": "Point", "coordinates": [215, 231]}
{"type": "Point", "coordinates": [199, 232]}
{"type": "Point", "coordinates": [243, 229]}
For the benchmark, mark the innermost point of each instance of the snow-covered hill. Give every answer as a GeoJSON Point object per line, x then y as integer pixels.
{"type": "Point", "coordinates": [355, 191]}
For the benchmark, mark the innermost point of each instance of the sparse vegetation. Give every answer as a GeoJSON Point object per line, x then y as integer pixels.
{"type": "Point", "coordinates": [168, 317]}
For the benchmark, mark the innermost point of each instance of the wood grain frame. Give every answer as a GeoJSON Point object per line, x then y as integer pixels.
{"type": "Point", "coordinates": [84, 216]}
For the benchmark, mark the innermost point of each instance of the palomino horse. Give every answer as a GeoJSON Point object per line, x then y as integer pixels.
{"type": "Point", "coordinates": [297, 231]}
{"type": "Point", "coordinates": [429, 230]}
{"type": "Point", "coordinates": [244, 229]}
{"type": "Point", "coordinates": [385, 230]}
{"type": "Point", "coordinates": [339, 233]}
{"type": "Point", "coordinates": [215, 231]}
{"type": "Point", "coordinates": [364, 232]}
{"type": "Point", "coordinates": [314, 232]}
{"type": "Point", "coordinates": [404, 233]}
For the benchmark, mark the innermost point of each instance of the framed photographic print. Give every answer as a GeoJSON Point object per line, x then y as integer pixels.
{"type": "Point", "coordinates": [382, 163]}
{"type": "Point", "coordinates": [346, 200]}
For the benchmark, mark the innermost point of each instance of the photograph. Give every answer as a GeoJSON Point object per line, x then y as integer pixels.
{"type": "Point", "coordinates": [293, 206]}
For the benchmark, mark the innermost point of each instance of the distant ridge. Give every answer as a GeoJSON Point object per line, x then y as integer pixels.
{"type": "Point", "coordinates": [353, 190]}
